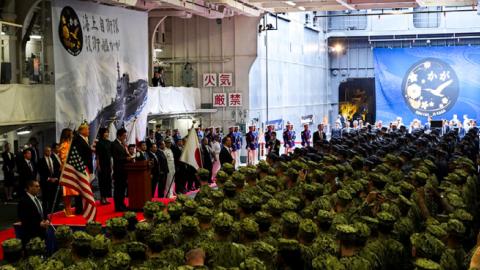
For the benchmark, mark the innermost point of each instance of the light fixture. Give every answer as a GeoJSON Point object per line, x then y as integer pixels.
{"type": "Point", "coordinates": [23, 132]}
{"type": "Point", "coordinates": [2, 33]}
{"type": "Point", "coordinates": [301, 8]}
{"type": "Point", "coordinates": [337, 48]}
{"type": "Point", "coordinates": [153, 121]}
{"type": "Point", "coordinates": [158, 50]}
{"type": "Point", "coordinates": [290, 3]}
{"type": "Point", "coordinates": [35, 37]}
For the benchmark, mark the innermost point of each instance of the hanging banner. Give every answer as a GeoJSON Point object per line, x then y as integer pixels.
{"type": "Point", "coordinates": [101, 65]}
{"type": "Point", "coordinates": [414, 83]}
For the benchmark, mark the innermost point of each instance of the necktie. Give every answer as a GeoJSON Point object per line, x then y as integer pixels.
{"type": "Point", "coordinates": [39, 206]}
{"type": "Point", "coordinates": [30, 166]}
{"type": "Point", "coordinates": [50, 167]}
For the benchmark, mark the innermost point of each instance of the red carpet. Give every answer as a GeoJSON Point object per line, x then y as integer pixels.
{"type": "Point", "coordinates": [104, 212]}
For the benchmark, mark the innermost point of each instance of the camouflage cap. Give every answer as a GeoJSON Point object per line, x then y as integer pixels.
{"type": "Point", "coordinates": [229, 186]}
{"type": "Point", "coordinates": [385, 217]}
{"type": "Point", "coordinates": [263, 166]}
{"type": "Point", "coordinates": [292, 173]}
{"type": "Point", "coordinates": [325, 216]}
{"type": "Point", "coordinates": [274, 206]}
{"type": "Point", "coordinates": [312, 190]}
{"type": "Point", "coordinates": [462, 215]}
{"type": "Point", "coordinates": [190, 207]}
{"type": "Point", "coordinates": [406, 187]}
{"type": "Point", "coordinates": [130, 215]}
{"type": "Point", "coordinates": [136, 247]}
{"type": "Point", "coordinates": [119, 260]}
{"type": "Point", "coordinates": [37, 246]}
{"type": "Point", "coordinates": [455, 200]}
{"type": "Point", "coordinates": [82, 239]}
{"type": "Point", "coordinates": [51, 264]}
{"type": "Point", "coordinates": [175, 209]}
{"type": "Point", "coordinates": [245, 201]}
{"type": "Point", "coordinates": [426, 264]}
{"type": "Point", "coordinates": [93, 228]}
{"type": "Point", "coordinates": [453, 177]}
{"type": "Point", "coordinates": [308, 212]}
{"type": "Point", "coordinates": [189, 223]}
{"type": "Point", "coordinates": [100, 243]}
{"type": "Point", "coordinates": [229, 206]}
{"type": "Point", "coordinates": [308, 228]}
{"type": "Point", "coordinates": [117, 223]}
{"type": "Point", "coordinates": [223, 222]}
{"type": "Point", "coordinates": [252, 263]}
{"type": "Point", "coordinates": [327, 261]}
{"type": "Point", "coordinates": [238, 179]}
{"type": "Point", "coordinates": [63, 233]}
{"type": "Point", "coordinates": [9, 267]}
{"type": "Point", "coordinates": [143, 227]}
{"type": "Point", "coordinates": [263, 218]}
{"type": "Point", "coordinates": [345, 232]}
{"type": "Point", "coordinates": [269, 189]}
{"type": "Point", "coordinates": [331, 170]}
{"type": "Point", "coordinates": [151, 208]}
{"type": "Point", "coordinates": [289, 205]}
{"type": "Point", "coordinates": [221, 177]}
{"type": "Point", "coordinates": [288, 244]}
{"type": "Point", "coordinates": [426, 245]}
{"type": "Point", "coordinates": [204, 214]}
{"type": "Point", "coordinates": [161, 217]}
{"type": "Point", "coordinates": [393, 190]}
{"type": "Point", "coordinates": [217, 196]}
{"type": "Point", "coordinates": [436, 230]}
{"type": "Point", "coordinates": [206, 202]}
{"type": "Point", "coordinates": [33, 262]}
{"type": "Point", "coordinates": [12, 245]}
{"type": "Point", "coordinates": [456, 227]}
{"type": "Point", "coordinates": [249, 227]}
{"type": "Point", "coordinates": [263, 250]}
{"type": "Point", "coordinates": [228, 168]}
{"type": "Point", "coordinates": [291, 219]}
{"type": "Point", "coordinates": [203, 174]}
{"type": "Point", "coordinates": [405, 201]}
{"type": "Point", "coordinates": [182, 198]}
{"type": "Point", "coordinates": [271, 180]}
{"type": "Point", "coordinates": [344, 195]}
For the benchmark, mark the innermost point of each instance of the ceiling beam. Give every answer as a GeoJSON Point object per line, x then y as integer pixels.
{"type": "Point", "coordinates": [457, 3]}
{"type": "Point", "coordinates": [346, 4]}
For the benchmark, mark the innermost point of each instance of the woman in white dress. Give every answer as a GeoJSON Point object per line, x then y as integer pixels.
{"type": "Point", "coordinates": [216, 147]}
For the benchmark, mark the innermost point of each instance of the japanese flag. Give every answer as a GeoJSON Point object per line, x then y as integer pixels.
{"type": "Point", "coordinates": [191, 151]}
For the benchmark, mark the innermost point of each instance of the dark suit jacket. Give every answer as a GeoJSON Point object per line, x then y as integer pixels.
{"type": "Point", "coordinates": [84, 151]}
{"type": "Point", "coordinates": [225, 156]}
{"type": "Point", "coordinates": [35, 155]}
{"type": "Point", "coordinates": [162, 162]}
{"type": "Point", "coordinates": [30, 217]}
{"type": "Point", "coordinates": [119, 155]}
{"type": "Point", "coordinates": [317, 138]}
{"type": "Point", "coordinates": [155, 164]}
{"type": "Point", "coordinates": [25, 174]}
{"type": "Point", "coordinates": [8, 162]}
{"type": "Point", "coordinates": [45, 173]}
{"type": "Point", "coordinates": [177, 152]}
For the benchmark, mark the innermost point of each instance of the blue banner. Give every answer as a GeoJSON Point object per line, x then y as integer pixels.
{"type": "Point", "coordinates": [415, 83]}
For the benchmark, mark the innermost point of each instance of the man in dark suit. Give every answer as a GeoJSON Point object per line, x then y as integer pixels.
{"type": "Point", "coordinates": [225, 152]}
{"type": "Point", "coordinates": [85, 152]}
{"type": "Point", "coordinates": [7, 168]}
{"type": "Point", "coordinates": [33, 147]}
{"type": "Point", "coordinates": [31, 214]}
{"type": "Point", "coordinates": [120, 158]}
{"type": "Point", "coordinates": [319, 136]}
{"type": "Point", "coordinates": [163, 167]}
{"type": "Point", "coordinates": [158, 134]}
{"type": "Point", "coordinates": [26, 169]}
{"type": "Point", "coordinates": [142, 154]}
{"type": "Point", "coordinates": [49, 171]}
{"type": "Point", "coordinates": [150, 140]}
{"type": "Point", "coordinates": [155, 171]}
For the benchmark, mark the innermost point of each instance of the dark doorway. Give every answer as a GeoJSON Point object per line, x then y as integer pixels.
{"type": "Point", "coordinates": [357, 99]}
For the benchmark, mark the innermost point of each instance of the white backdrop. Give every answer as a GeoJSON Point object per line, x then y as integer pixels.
{"type": "Point", "coordinates": [112, 42]}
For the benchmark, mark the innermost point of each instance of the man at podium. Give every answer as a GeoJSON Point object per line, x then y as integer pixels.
{"type": "Point", "coordinates": [120, 158]}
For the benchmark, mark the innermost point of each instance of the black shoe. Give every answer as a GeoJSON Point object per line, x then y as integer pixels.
{"type": "Point", "coordinates": [121, 209]}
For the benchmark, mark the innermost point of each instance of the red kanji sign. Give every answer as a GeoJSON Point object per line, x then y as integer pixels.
{"type": "Point", "coordinates": [219, 99]}
{"type": "Point", "coordinates": [225, 79]}
{"type": "Point", "coordinates": [209, 80]}
{"type": "Point", "coordinates": [235, 99]}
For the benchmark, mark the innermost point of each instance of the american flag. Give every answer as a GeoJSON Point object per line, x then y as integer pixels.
{"type": "Point", "coordinates": [75, 175]}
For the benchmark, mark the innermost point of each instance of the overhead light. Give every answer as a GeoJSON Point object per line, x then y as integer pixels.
{"type": "Point", "coordinates": [35, 37]}
{"type": "Point", "coordinates": [153, 121]}
{"type": "Point", "coordinates": [23, 132]}
{"type": "Point", "coordinates": [290, 3]}
{"type": "Point", "coordinates": [301, 8]}
{"type": "Point", "coordinates": [158, 50]}
{"type": "Point", "coordinates": [337, 48]}
{"type": "Point", "coordinates": [2, 33]}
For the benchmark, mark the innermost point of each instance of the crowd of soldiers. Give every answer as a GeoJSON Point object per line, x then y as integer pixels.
{"type": "Point", "coordinates": [368, 200]}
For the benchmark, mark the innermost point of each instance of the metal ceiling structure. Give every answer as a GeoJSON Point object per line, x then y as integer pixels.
{"type": "Point", "coordinates": [216, 9]}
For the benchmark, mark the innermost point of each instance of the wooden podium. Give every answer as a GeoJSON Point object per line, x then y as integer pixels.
{"type": "Point", "coordinates": [139, 184]}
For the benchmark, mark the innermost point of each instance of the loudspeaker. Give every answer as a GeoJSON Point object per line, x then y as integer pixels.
{"type": "Point", "coordinates": [6, 73]}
